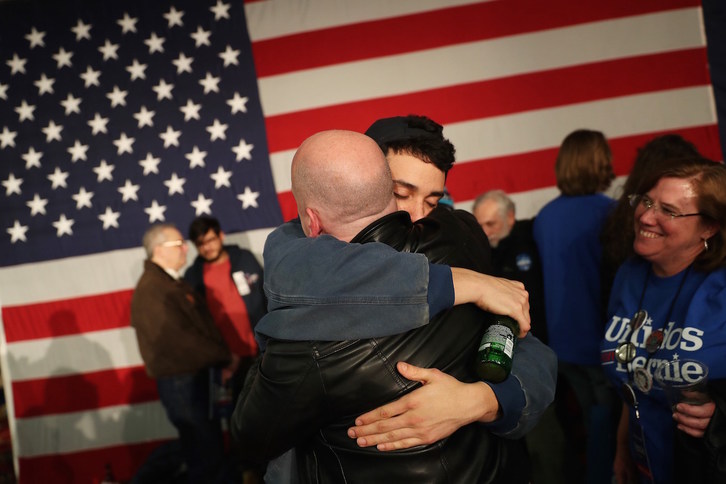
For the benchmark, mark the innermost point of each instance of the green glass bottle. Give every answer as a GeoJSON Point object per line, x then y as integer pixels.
{"type": "Point", "coordinates": [494, 358]}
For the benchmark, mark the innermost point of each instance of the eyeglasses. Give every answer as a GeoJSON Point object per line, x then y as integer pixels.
{"type": "Point", "coordinates": [646, 202]}
{"type": "Point", "coordinates": [173, 243]}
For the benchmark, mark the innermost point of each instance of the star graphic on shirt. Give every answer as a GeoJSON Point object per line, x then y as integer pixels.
{"type": "Point", "coordinates": [202, 205]}
{"type": "Point", "coordinates": [124, 144]}
{"type": "Point", "coordinates": [174, 17]}
{"type": "Point", "coordinates": [229, 56]}
{"type": "Point", "coordinates": [196, 157]}
{"type": "Point", "coordinates": [63, 225]}
{"type": "Point", "coordinates": [243, 150]}
{"type": "Point", "coordinates": [91, 77]}
{"type": "Point", "coordinates": [220, 10]}
{"type": "Point", "coordinates": [98, 124]}
{"type": "Point", "coordinates": [12, 185]}
{"type": "Point", "coordinates": [17, 65]}
{"type": "Point", "coordinates": [63, 58]}
{"type": "Point", "coordinates": [109, 50]}
{"type": "Point", "coordinates": [248, 198]}
{"type": "Point", "coordinates": [52, 131]}
{"type": "Point", "coordinates": [17, 232]}
{"type": "Point", "coordinates": [221, 178]}
{"type": "Point", "coordinates": [190, 110]}
{"type": "Point", "coordinates": [82, 31]}
{"type": "Point", "coordinates": [104, 171]}
{"type": "Point", "coordinates": [78, 151]}
{"type": "Point", "coordinates": [155, 212]}
{"type": "Point", "coordinates": [37, 205]}
{"type": "Point", "coordinates": [150, 164]}
{"type": "Point", "coordinates": [35, 38]}
{"type": "Point", "coordinates": [71, 104]}
{"type": "Point", "coordinates": [7, 138]}
{"type": "Point", "coordinates": [175, 184]}
{"type": "Point", "coordinates": [109, 218]}
{"type": "Point", "coordinates": [44, 84]}
{"type": "Point", "coordinates": [145, 117]}
{"type": "Point", "coordinates": [58, 178]}
{"type": "Point", "coordinates": [170, 137]}
{"type": "Point", "coordinates": [25, 111]}
{"type": "Point", "coordinates": [238, 103]}
{"type": "Point", "coordinates": [137, 70]}
{"type": "Point", "coordinates": [210, 83]}
{"type": "Point", "coordinates": [183, 63]}
{"type": "Point", "coordinates": [117, 97]}
{"type": "Point", "coordinates": [128, 191]}
{"type": "Point", "coordinates": [155, 43]}
{"type": "Point", "coordinates": [201, 37]}
{"type": "Point", "coordinates": [32, 158]}
{"type": "Point", "coordinates": [163, 90]}
{"type": "Point", "coordinates": [82, 198]}
{"type": "Point", "coordinates": [128, 24]}
{"type": "Point", "coordinates": [217, 130]}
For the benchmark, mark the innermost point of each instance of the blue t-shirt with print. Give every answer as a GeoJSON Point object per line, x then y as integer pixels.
{"type": "Point", "coordinates": [690, 309]}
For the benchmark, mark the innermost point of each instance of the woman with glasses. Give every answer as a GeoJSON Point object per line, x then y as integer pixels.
{"type": "Point", "coordinates": [668, 306]}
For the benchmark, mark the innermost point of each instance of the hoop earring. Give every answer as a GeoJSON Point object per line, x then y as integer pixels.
{"type": "Point", "coordinates": [705, 244]}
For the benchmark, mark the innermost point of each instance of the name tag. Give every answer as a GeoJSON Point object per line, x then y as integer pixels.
{"type": "Point", "coordinates": [241, 282]}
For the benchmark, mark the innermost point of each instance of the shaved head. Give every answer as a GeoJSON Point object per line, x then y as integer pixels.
{"type": "Point", "coordinates": [344, 178]}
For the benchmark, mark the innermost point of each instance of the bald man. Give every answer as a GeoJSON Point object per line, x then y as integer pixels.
{"type": "Point", "coordinates": [307, 393]}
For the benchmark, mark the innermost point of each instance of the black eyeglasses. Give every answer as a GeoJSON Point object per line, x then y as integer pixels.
{"type": "Point", "coordinates": [660, 212]}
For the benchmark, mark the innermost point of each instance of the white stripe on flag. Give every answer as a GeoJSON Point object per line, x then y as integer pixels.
{"type": "Point", "coordinates": [477, 61]}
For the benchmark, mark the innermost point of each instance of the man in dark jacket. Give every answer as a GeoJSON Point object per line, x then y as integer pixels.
{"type": "Point", "coordinates": [230, 279]}
{"type": "Point", "coordinates": [307, 393]}
{"type": "Point", "coordinates": [179, 344]}
{"type": "Point", "coordinates": [514, 253]}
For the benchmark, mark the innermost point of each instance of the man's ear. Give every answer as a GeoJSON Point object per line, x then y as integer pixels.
{"type": "Point", "coordinates": [221, 236]}
{"type": "Point", "coordinates": [313, 224]}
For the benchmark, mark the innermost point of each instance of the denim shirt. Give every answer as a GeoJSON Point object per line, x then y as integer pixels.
{"type": "Point", "coordinates": [350, 291]}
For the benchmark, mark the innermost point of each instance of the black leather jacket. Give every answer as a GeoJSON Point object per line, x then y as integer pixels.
{"type": "Point", "coordinates": [306, 394]}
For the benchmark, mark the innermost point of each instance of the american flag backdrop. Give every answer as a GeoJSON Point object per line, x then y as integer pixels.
{"type": "Point", "coordinates": [117, 114]}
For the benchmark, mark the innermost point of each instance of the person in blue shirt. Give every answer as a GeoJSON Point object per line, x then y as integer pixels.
{"type": "Point", "coordinates": [668, 305]}
{"type": "Point", "coordinates": [567, 234]}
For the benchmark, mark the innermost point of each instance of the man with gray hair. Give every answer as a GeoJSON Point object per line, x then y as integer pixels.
{"type": "Point", "coordinates": [514, 253]}
{"type": "Point", "coordinates": [494, 211]}
{"type": "Point", "coordinates": [179, 344]}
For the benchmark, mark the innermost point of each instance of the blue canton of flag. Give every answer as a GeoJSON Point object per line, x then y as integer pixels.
{"type": "Point", "coordinates": [116, 115]}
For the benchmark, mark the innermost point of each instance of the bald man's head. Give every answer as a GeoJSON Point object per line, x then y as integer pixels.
{"type": "Point", "coordinates": [343, 177]}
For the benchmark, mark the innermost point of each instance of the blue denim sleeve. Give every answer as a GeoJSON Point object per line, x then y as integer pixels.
{"type": "Point", "coordinates": [325, 289]}
{"type": "Point", "coordinates": [529, 390]}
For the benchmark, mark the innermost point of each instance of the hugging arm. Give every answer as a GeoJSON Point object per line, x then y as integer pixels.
{"type": "Point", "coordinates": [443, 405]}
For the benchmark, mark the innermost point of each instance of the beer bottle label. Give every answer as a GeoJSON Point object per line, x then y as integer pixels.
{"type": "Point", "coordinates": [499, 338]}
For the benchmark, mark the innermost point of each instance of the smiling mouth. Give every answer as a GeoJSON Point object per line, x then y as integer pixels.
{"type": "Point", "coordinates": [648, 235]}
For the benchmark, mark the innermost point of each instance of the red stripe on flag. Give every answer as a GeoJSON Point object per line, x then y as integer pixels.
{"type": "Point", "coordinates": [67, 316]}
{"type": "Point", "coordinates": [539, 90]}
{"type": "Point", "coordinates": [534, 170]}
{"type": "Point", "coordinates": [449, 26]}
{"type": "Point", "coordinates": [88, 466]}
{"type": "Point", "coordinates": [288, 206]}
{"type": "Point", "coordinates": [89, 391]}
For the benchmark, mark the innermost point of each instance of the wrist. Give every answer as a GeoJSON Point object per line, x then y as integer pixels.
{"type": "Point", "coordinates": [486, 407]}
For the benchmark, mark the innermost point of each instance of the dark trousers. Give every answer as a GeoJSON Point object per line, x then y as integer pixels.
{"type": "Point", "coordinates": [186, 399]}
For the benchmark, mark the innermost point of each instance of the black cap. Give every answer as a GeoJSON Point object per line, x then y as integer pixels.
{"type": "Point", "coordinates": [396, 128]}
